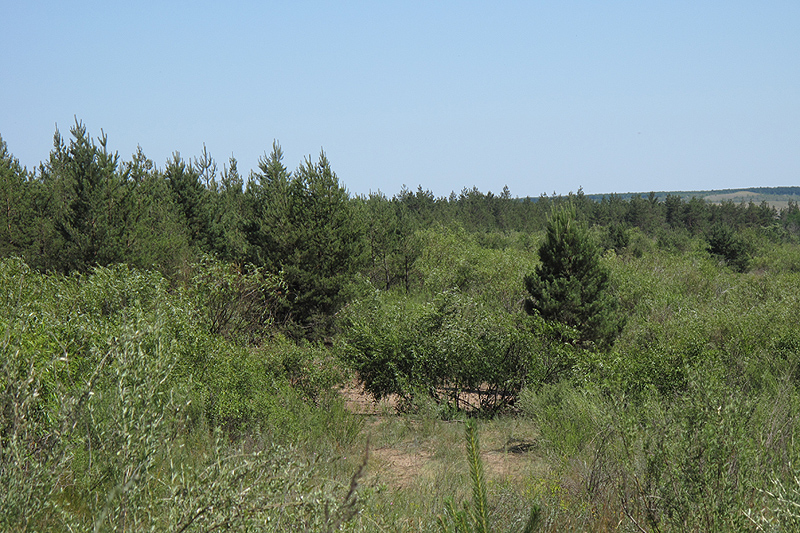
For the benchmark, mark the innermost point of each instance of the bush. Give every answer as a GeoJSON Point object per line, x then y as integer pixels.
{"type": "Point", "coordinates": [443, 348]}
{"type": "Point", "coordinates": [240, 304]}
{"type": "Point", "coordinates": [452, 259]}
{"type": "Point", "coordinates": [705, 459]}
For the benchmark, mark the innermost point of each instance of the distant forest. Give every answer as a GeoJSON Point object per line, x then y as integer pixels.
{"type": "Point", "coordinates": [771, 195]}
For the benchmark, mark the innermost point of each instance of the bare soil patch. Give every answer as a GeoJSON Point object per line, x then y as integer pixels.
{"type": "Point", "coordinates": [400, 464]}
{"type": "Point", "coordinates": [359, 402]}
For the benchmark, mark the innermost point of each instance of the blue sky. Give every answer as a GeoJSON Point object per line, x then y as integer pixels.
{"type": "Point", "coordinates": [611, 96]}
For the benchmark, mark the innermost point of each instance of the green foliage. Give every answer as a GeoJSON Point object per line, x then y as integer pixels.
{"type": "Point", "coordinates": [707, 458]}
{"type": "Point", "coordinates": [391, 242]}
{"type": "Point", "coordinates": [104, 381]}
{"type": "Point", "coordinates": [675, 240]}
{"type": "Point", "coordinates": [689, 311]}
{"type": "Point", "coordinates": [723, 242]}
{"type": "Point", "coordinates": [228, 215]}
{"type": "Point", "coordinates": [157, 236]}
{"type": "Point", "coordinates": [192, 199]}
{"type": "Point", "coordinates": [168, 399]}
{"type": "Point", "coordinates": [453, 259]}
{"type": "Point", "coordinates": [571, 286]}
{"type": "Point", "coordinates": [616, 238]}
{"type": "Point", "coordinates": [268, 229]}
{"type": "Point", "coordinates": [703, 464]}
{"type": "Point", "coordinates": [568, 418]}
{"type": "Point", "coordinates": [305, 226]}
{"type": "Point", "coordinates": [90, 201]}
{"type": "Point", "coordinates": [778, 258]}
{"type": "Point", "coordinates": [240, 304]}
{"type": "Point", "coordinates": [16, 205]}
{"type": "Point", "coordinates": [327, 246]}
{"type": "Point", "coordinates": [441, 348]}
{"type": "Point", "coordinates": [480, 501]}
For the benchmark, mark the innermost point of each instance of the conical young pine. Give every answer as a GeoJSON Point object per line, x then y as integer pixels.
{"type": "Point", "coordinates": [571, 285]}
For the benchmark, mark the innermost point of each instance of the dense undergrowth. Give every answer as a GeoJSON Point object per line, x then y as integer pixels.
{"type": "Point", "coordinates": [134, 402]}
{"type": "Point", "coordinates": [124, 409]}
{"type": "Point", "coordinates": [688, 424]}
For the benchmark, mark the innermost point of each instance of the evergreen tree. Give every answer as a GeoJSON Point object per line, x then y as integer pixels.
{"type": "Point", "coordinates": [16, 212]}
{"type": "Point", "coordinates": [191, 197]}
{"type": "Point", "coordinates": [327, 241]}
{"type": "Point", "coordinates": [381, 239]}
{"type": "Point", "coordinates": [305, 224]}
{"type": "Point", "coordinates": [696, 214]}
{"type": "Point", "coordinates": [791, 217]}
{"type": "Point", "coordinates": [725, 243]}
{"type": "Point", "coordinates": [673, 207]}
{"type": "Point", "coordinates": [570, 285]}
{"type": "Point", "coordinates": [227, 237]}
{"type": "Point", "coordinates": [158, 235]}
{"type": "Point", "coordinates": [90, 201]}
{"type": "Point", "coordinates": [206, 169]}
{"type": "Point", "coordinates": [391, 242]}
{"type": "Point", "coordinates": [268, 227]}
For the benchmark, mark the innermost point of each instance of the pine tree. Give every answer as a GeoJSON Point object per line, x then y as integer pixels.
{"type": "Point", "coordinates": [571, 286]}
{"type": "Point", "coordinates": [90, 199]}
{"type": "Point", "coordinates": [305, 224]}
{"type": "Point", "coordinates": [191, 197]}
{"type": "Point", "coordinates": [16, 212]}
{"type": "Point", "coordinates": [268, 228]}
{"type": "Point", "coordinates": [158, 236]}
{"type": "Point", "coordinates": [228, 220]}
{"type": "Point", "coordinates": [328, 245]}
{"type": "Point", "coordinates": [725, 243]}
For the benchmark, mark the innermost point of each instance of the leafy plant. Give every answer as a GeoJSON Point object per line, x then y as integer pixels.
{"type": "Point", "coordinates": [442, 348]}
{"type": "Point", "coordinates": [99, 428]}
{"type": "Point", "coordinates": [240, 303]}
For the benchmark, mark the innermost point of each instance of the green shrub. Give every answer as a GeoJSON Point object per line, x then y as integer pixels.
{"type": "Point", "coordinates": [99, 423]}
{"type": "Point", "coordinates": [238, 303]}
{"type": "Point", "coordinates": [568, 418]}
{"type": "Point", "coordinates": [441, 348]}
{"type": "Point", "coordinates": [452, 259]}
{"type": "Point", "coordinates": [704, 459]}
{"type": "Point", "coordinates": [701, 461]}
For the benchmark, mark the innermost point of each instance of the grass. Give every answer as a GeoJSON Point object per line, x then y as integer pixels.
{"type": "Point", "coordinates": [705, 461]}
{"type": "Point", "coordinates": [418, 463]}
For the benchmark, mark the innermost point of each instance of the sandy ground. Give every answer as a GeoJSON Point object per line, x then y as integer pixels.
{"type": "Point", "coordinates": [400, 465]}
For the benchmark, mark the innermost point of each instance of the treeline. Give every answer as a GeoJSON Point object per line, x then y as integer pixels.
{"type": "Point", "coordinates": [85, 206]}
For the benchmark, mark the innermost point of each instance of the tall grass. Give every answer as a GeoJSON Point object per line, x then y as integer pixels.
{"type": "Point", "coordinates": [105, 426]}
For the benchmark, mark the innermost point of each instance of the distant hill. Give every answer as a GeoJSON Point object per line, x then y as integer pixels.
{"type": "Point", "coordinates": [777, 197]}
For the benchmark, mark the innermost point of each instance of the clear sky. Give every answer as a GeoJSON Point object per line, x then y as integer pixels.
{"type": "Point", "coordinates": [542, 96]}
